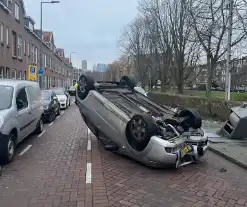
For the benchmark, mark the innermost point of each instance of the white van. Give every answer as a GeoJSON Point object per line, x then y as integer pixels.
{"type": "Point", "coordinates": [21, 113]}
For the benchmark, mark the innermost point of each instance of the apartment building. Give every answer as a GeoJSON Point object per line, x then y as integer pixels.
{"type": "Point", "coordinates": [20, 46]}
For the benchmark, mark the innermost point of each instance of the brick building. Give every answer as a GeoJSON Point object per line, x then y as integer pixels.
{"type": "Point", "coordinates": [20, 46]}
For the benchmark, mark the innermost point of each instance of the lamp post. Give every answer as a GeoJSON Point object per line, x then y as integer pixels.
{"type": "Point", "coordinates": [228, 61]}
{"type": "Point", "coordinates": [41, 33]}
{"type": "Point", "coordinates": [72, 68]}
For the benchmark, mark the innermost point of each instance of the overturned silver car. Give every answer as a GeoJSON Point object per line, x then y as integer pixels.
{"type": "Point", "coordinates": [128, 122]}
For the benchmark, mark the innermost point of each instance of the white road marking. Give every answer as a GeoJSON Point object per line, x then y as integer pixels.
{"type": "Point", "coordinates": [89, 146]}
{"type": "Point", "coordinates": [88, 133]}
{"type": "Point", "coordinates": [57, 117]}
{"type": "Point", "coordinates": [89, 173]}
{"type": "Point", "coordinates": [51, 123]}
{"type": "Point", "coordinates": [40, 135]}
{"type": "Point", "coordinates": [25, 150]}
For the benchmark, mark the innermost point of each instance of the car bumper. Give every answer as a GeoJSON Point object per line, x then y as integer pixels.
{"type": "Point", "coordinates": [159, 155]}
{"type": "Point", "coordinates": [63, 105]}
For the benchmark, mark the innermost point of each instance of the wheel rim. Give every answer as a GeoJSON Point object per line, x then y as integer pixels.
{"type": "Point", "coordinates": [138, 129]}
{"type": "Point", "coordinates": [11, 148]}
{"type": "Point", "coordinates": [83, 84]}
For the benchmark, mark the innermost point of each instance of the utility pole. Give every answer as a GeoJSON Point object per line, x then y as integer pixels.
{"type": "Point", "coordinates": [229, 45]}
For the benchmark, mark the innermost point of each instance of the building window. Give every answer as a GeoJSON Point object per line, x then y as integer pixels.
{"type": "Point", "coordinates": [17, 12]}
{"type": "Point", "coordinates": [1, 32]}
{"type": "Point", "coordinates": [36, 55]}
{"type": "Point", "coordinates": [25, 75]}
{"type": "Point", "coordinates": [13, 74]}
{"type": "Point", "coordinates": [45, 61]}
{"type": "Point", "coordinates": [31, 26]}
{"type": "Point", "coordinates": [7, 35]}
{"type": "Point", "coordinates": [32, 53]}
{"type": "Point", "coordinates": [1, 72]}
{"type": "Point", "coordinates": [14, 45]}
{"type": "Point", "coordinates": [19, 75]}
{"type": "Point", "coordinates": [28, 48]}
{"type": "Point", "coordinates": [7, 74]}
{"type": "Point", "coordinates": [24, 46]}
{"type": "Point", "coordinates": [19, 50]}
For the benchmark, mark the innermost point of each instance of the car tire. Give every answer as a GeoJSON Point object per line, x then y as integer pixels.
{"type": "Point", "coordinates": [8, 150]}
{"type": "Point", "coordinates": [40, 126]}
{"type": "Point", "coordinates": [85, 84]}
{"type": "Point", "coordinates": [139, 131]}
{"type": "Point", "coordinates": [191, 118]}
{"type": "Point", "coordinates": [128, 81]}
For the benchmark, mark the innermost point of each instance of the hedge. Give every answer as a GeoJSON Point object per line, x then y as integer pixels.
{"type": "Point", "coordinates": [218, 108]}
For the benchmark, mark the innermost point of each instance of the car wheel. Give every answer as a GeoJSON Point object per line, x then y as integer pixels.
{"type": "Point", "coordinates": [190, 118]}
{"type": "Point", "coordinates": [85, 84]}
{"type": "Point", "coordinates": [40, 126]}
{"type": "Point", "coordinates": [139, 131]}
{"type": "Point", "coordinates": [8, 150]}
{"type": "Point", "coordinates": [128, 81]}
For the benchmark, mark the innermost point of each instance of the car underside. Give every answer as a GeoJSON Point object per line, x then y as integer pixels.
{"type": "Point", "coordinates": [152, 134]}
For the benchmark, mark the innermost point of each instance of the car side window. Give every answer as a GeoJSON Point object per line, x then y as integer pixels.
{"type": "Point", "coordinates": [21, 99]}
{"type": "Point", "coordinates": [31, 92]}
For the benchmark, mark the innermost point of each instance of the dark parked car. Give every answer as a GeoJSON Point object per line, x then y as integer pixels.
{"type": "Point", "coordinates": [71, 91]}
{"type": "Point", "coordinates": [51, 105]}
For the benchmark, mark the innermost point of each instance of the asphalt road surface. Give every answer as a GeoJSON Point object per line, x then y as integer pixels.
{"type": "Point", "coordinates": [65, 166]}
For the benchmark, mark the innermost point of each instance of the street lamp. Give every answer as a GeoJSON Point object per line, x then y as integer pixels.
{"type": "Point", "coordinates": [41, 32]}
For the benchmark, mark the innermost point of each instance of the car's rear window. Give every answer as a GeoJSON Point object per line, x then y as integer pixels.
{"type": "Point", "coordinates": [7, 93]}
{"type": "Point", "coordinates": [46, 95]}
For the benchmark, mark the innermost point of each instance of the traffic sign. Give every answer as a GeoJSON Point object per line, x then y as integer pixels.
{"type": "Point", "coordinates": [41, 71]}
{"type": "Point", "coordinates": [32, 72]}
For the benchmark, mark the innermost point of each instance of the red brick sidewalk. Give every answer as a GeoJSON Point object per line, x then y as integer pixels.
{"type": "Point", "coordinates": [55, 170]}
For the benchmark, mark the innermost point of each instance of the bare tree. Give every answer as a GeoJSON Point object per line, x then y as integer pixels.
{"type": "Point", "coordinates": [186, 52]}
{"type": "Point", "coordinates": [209, 22]}
{"type": "Point", "coordinates": [132, 43]}
{"type": "Point", "coordinates": [159, 40]}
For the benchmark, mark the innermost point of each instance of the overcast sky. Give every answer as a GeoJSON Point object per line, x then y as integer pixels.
{"type": "Point", "coordinates": [88, 27]}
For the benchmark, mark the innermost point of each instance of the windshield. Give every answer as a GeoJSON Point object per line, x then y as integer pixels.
{"type": "Point", "coordinates": [46, 95]}
{"type": "Point", "coordinates": [59, 91]}
{"type": "Point", "coordinates": [6, 92]}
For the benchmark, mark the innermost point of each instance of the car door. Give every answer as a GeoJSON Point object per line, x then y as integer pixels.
{"type": "Point", "coordinates": [34, 106]}
{"type": "Point", "coordinates": [24, 115]}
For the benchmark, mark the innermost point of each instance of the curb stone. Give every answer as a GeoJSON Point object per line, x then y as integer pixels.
{"type": "Point", "coordinates": [228, 158]}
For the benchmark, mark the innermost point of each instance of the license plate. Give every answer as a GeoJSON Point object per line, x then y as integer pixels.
{"type": "Point", "coordinates": [185, 150]}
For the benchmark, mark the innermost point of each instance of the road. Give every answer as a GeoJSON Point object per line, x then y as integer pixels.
{"type": "Point", "coordinates": [65, 166]}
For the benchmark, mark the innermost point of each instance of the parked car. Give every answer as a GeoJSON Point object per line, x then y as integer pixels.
{"type": "Point", "coordinates": [63, 97]}
{"type": "Point", "coordinates": [71, 91]}
{"type": "Point", "coordinates": [51, 105]}
{"type": "Point", "coordinates": [130, 123]}
{"type": "Point", "coordinates": [21, 113]}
